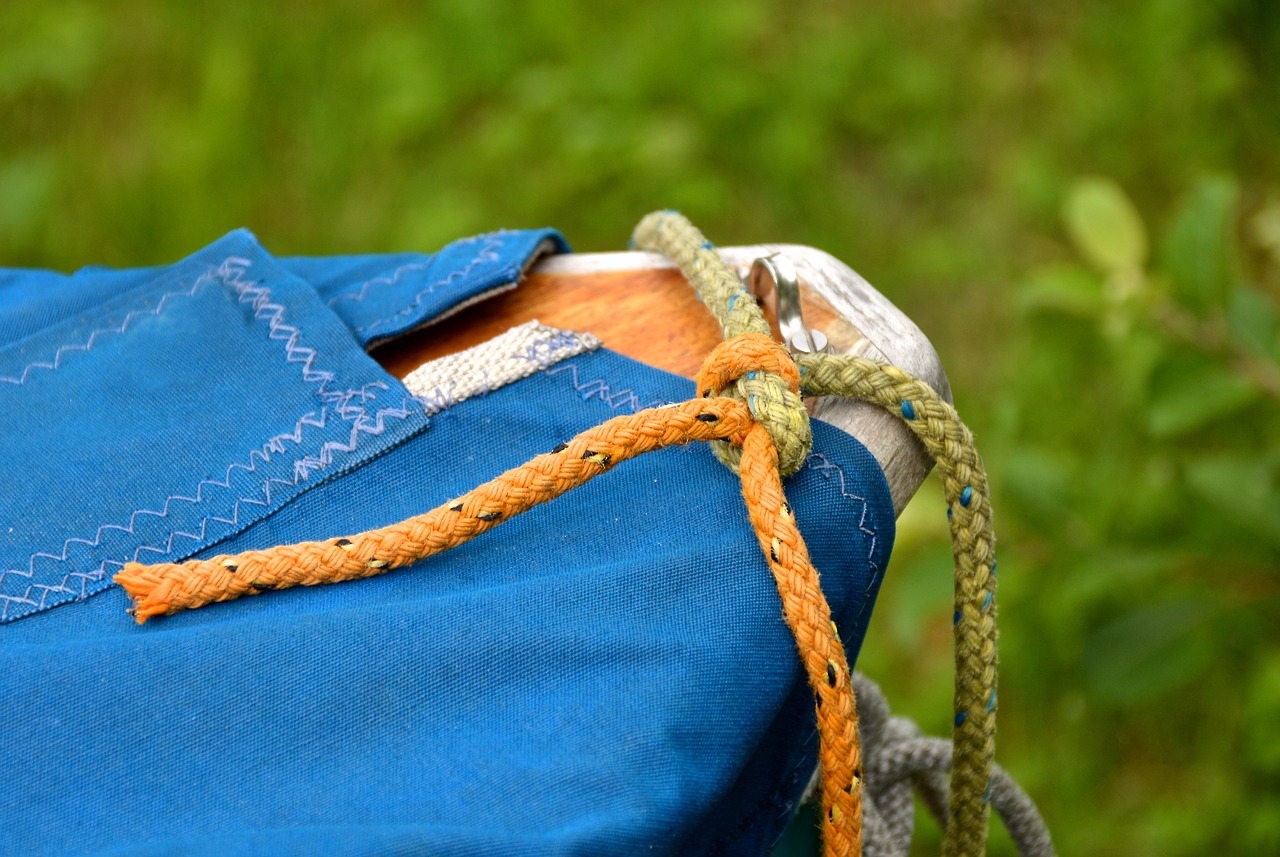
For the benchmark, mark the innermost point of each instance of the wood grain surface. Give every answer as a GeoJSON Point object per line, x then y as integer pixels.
{"type": "Point", "coordinates": [650, 315]}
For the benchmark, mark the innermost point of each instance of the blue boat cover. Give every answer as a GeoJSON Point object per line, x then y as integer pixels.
{"type": "Point", "coordinates": [606, 674]}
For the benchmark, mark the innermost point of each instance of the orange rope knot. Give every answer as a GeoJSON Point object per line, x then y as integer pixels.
{"type": "Point", "coordinates": [754, 369]}
{"type": "Point", "coordinates": [740, 357]}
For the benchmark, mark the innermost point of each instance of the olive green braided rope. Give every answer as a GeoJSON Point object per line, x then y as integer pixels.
{"type": "Point", "coordinates": [950, 444]}
{"type": "Point", "coordinates": [964, 481]}
{"type": "Point", "coordinates": [765, 393]}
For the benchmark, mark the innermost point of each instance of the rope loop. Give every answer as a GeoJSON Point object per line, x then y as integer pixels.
{"type": "Point", "coordinates": [767, 389]}
{"type": "Point", "coordinates": [775, 404]}
{"type": "Point", "coordinates": [756, 370]}
{"type": "Point", "coordinates": [739, 357]}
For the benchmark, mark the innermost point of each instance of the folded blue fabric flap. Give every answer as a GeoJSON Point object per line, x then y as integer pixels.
{"type": "Point", "coordinates": [378, 296]}
{"type": "Point", "coordinates": [175, 415]}
{"type": "Point", "coordinates": [382, 297]}
{"type": "Point", "coordinates": [606, 674]}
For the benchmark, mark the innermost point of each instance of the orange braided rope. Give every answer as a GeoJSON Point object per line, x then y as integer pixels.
{"type": "Point", "coordinates": [171, 587]}
{"type": "Point", "coordinates": [809, 617]}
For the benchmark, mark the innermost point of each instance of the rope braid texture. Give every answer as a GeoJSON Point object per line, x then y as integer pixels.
{"type": "Point", "coordinates": [964, 481]}
{"type": "Point", "coordinates": [750, 410]}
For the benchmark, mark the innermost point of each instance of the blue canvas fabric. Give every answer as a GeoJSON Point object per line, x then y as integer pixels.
{"type": "Point", "coordinates": [606, 674]}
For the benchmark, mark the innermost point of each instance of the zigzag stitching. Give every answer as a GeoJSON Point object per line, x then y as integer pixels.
{"type": "Point", "coordinates": [824, 467]}
{"type": "Point", "coordinates": [342, 400]}
{"type": "Point", "coordinates": [599, 388]}
{"type": "Point", "coordinates": [397, 273]}
{"type": "Point", "coordinates": [540, 350]}
{"type": "Point", "coordinates": [441, 400]}
{"type": "Point", "coordinates": [309, 464]}
{"type": "Point", "coordinates": [488, 253]}
{"type": "Point", "coordinates": [93, 337]}
{"type": "Point", "coordinates": [403, 269]}
{"type": "Point", "coordinates": [391, 280]}
{"type": "Point", "coordinates": [303, 468]}
{"type": "Point", "coordinates": [275, 444]}
{"type": "Point", "coordinates": [313, 463]}
{"type": "Point", "coordinates": [232, 271]}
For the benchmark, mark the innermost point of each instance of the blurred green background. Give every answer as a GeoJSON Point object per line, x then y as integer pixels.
{"type": "Point", "coordinates": [1078, 202]}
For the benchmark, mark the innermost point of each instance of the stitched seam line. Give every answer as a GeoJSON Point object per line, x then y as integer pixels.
{"type": "Point", "coordinates": [362, 292]}
{"type": "Point", "coordinates": [275, 444]}
{"type": "Point", "coordinates": [88, 344]}
{"type": "Point", "coordinates": [823, 465]}
{"type": "Point", "coordinates": [488, 253]}
{"type": "Point", "coordinates": [599, 388]}
{"type": "Point", "coordinates": [231, 272]}
{"type": "Point", "coordinates": [357, 297]}
{"type": "Point", "coordinates": [303, 468]}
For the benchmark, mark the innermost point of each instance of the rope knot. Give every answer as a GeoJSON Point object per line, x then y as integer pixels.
{"type": "Point", "coordinates": [770, 384]}
{"type": "Point", "coordinates": [741, 356]}
{"type": "Point", "coordinates": [754, 369]}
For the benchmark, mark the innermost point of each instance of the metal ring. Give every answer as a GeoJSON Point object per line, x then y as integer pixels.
{"type": "Point", "coordinates": [777, 271]}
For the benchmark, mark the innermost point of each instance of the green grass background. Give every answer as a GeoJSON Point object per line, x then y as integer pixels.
{"type": "Point", "coordinates": [1078, 202]}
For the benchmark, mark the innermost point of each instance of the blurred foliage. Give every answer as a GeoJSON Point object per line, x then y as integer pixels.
{"type": "Point", "coordinates": [1080, 203]}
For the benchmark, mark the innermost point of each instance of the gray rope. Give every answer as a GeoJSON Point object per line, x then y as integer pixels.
{"type": "Point", "coordinates": [897, 759]}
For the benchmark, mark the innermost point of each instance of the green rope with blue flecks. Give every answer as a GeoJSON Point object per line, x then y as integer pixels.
{"type": "Point", "coordinates": [766, 393]}
{"type": "Point", "coordinates": [950, 444]}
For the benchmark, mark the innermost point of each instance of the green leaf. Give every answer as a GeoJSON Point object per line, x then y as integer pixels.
{"type": "Point", "coordinates": [1147, 652]}
{"type": "Point", "coordinates": [1105, 226]}
{"type": "Point", "coordinates": [1252, 321]}
{"type": "Point", "coordinates": [1070, 289]}
{"type": "Point", "coordinates": [1197, 252]}
{"type": "Point", "coordinates": [1243, 489]}
{"type": "Point", "coordinates": [1190, 391]}
{"type": "Point", "coordinates": [1262, 700]}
